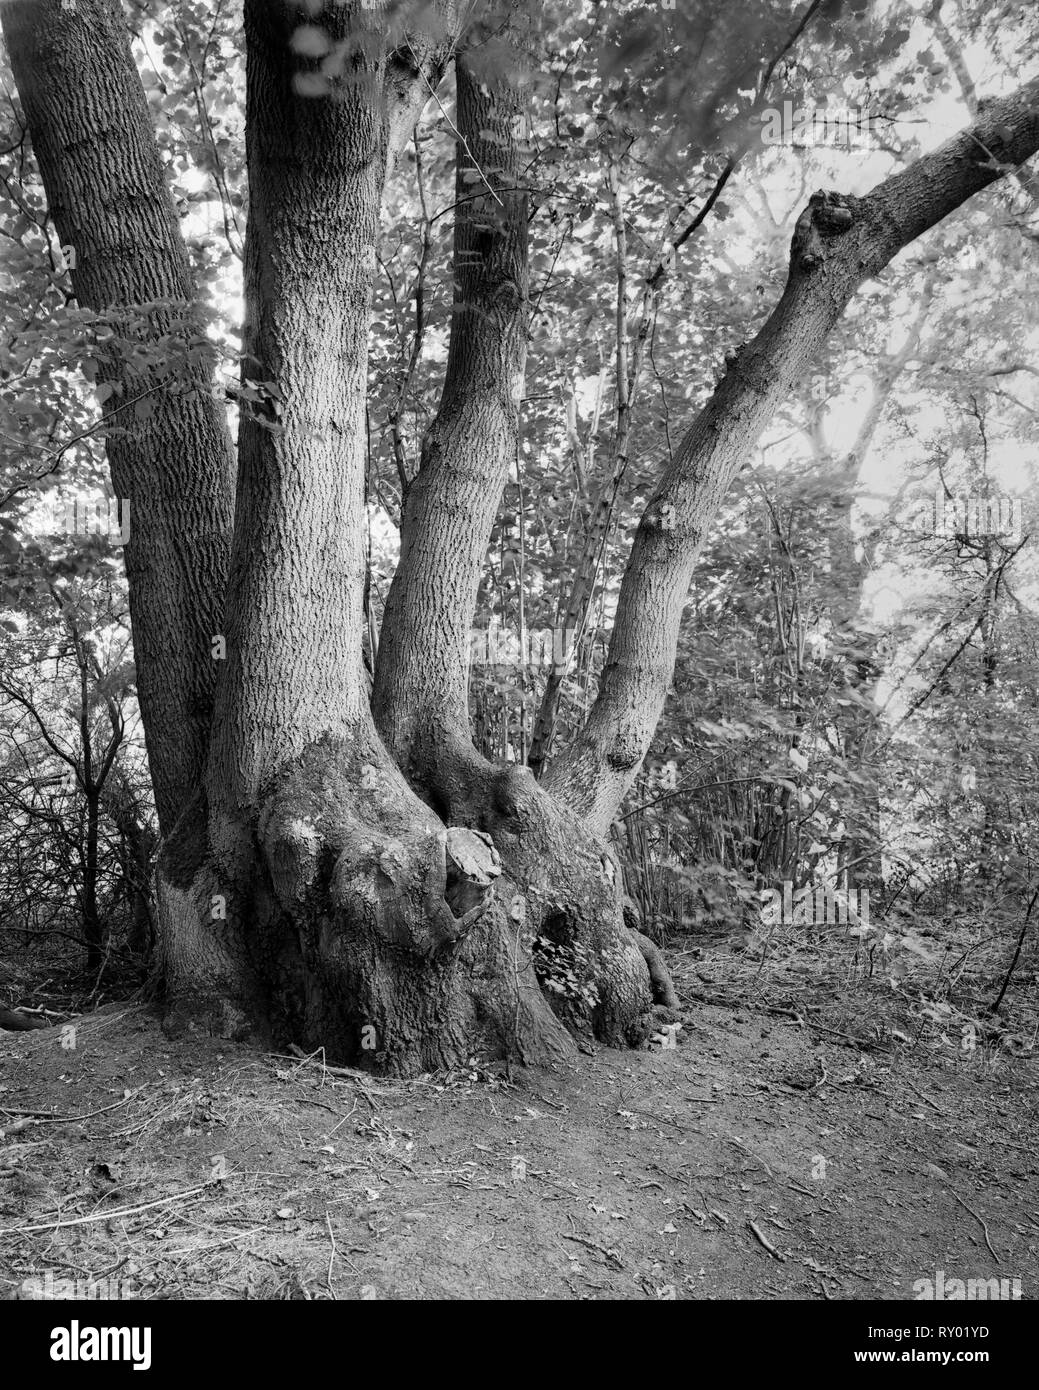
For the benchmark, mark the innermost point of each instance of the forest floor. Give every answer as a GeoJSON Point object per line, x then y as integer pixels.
{"type": "Point", "coordinates": [804, 1145]}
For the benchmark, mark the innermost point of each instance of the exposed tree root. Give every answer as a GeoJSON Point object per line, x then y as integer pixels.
{"type": "Point", "coordinates": [356, 921]}
{"type": "Point", "coordinates": [660, 977]}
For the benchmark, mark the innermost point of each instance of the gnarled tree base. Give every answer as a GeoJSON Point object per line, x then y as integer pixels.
{"type": "Point", "coordinates": [344, 914]}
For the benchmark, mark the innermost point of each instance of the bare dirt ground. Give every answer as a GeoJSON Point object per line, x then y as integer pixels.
{"type": "Point", "coordinates": [784, 1150]}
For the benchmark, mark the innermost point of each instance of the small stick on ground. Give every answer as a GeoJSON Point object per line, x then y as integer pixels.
{"type": "Point", "coordinates": [316, 1059]}
{"type": "Point", "coordinates": [787, 1013]}
{"type": "Point", "coordinates": [923, 1097]}
{"type": "Point", "coordinates": [102, 1215]}
{"type": "Point", "coordinates": [764, 1240]}
{"type": "Point", "coordinates": [44, 1117]}
{"type": "Point", "coordinates": [739, 1144]}
{"type": "Point", "coordinates": [861, 1043]}
{"type": "Point", "coordinates": [797, 1188]}
{"type": "Point", "coordinates": [610, 1256]}
{"type": "Point", "coordinates": [981, 1222]}
{"type": "Point", "coordinates": [331, 1259]}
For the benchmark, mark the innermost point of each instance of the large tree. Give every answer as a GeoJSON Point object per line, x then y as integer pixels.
{"type": "Point", "coordinates": [339, 865]}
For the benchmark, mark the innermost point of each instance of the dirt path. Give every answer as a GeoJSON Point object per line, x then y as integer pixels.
{"type": "Point", "coordinates": [755, 1161]}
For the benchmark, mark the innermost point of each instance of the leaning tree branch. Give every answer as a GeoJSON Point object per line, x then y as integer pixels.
{"type": "Point", "coordinates": [839, 242]}
{"type": "Point", "coordinates": [579, 601]}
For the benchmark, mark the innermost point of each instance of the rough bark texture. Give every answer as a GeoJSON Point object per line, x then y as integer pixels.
{"type": "Point", "coordinates": [422, 673]}
{"type": "Point", "coordinates": [565, 885]}
{"type": "Point", "coordinates": [92, 136]}
{"type": "Point", "coordinates": [355, 919]}
{"type": "Point", "coordinates": [291, 680]}
{"type": "Point", "coordinates": [564, 878]}
{"type": "Point", "coordinates": [839, 243]}
{"type": "Point", "coordinates": [317, 167]}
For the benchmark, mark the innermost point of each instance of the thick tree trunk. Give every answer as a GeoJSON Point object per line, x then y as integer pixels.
{"type": "Point", "coordinates": [92, 137]}
{"type": "Point", "coordinates": [355, 919]}
{"type": "Point", "coordinates": [421, 693]}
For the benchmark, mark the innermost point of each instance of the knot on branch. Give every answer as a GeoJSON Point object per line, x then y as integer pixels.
{"type": "Point", "coordinates": [827, 215]}
{"type": "Point", "coordinates": [626, 753]}
{"type": "Point", "coordinates": [660, 516]}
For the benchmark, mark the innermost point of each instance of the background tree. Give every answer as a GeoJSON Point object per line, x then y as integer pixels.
{"type": "Point", "coordinates": [76, 854]}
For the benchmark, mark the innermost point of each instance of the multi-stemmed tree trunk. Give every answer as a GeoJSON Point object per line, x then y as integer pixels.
{"type": "Point", "coordinates": [339, 872]}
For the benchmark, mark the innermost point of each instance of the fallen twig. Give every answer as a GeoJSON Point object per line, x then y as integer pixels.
{"type": "Point", "coordinates": [101, 1215]}
{"type": "Point", "coordinates": [981, 1222]}
{"type": "Point", "coordinates": [787, 1013]}
{"type": "Point", "coordinates": [739, 1144]}
{"type": "Point", "coordinates": [797, 1188]}
{"type": "Point", "coordinates": [923, 1097]}
{"type": "Point", "coordinates": [822, 1079]}
{"type": "Point", "coordinates": [764, 1240]}
{"type": "Point", "coordinates": [44, 1117]}
{"type": "Point", "coordinates": [331, 1259]}
{"type": "Point", "coordinates": [313, 1059]}
{"type": "Point", "coordinates": [860, 1043]}
{"type": "Point", "coordinates": [610, 1256]}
